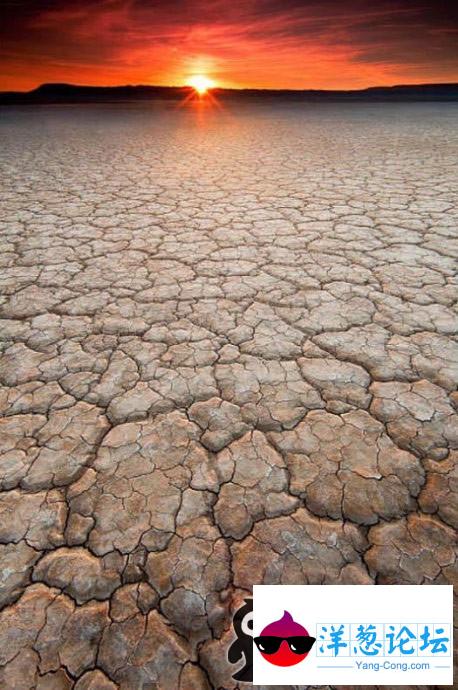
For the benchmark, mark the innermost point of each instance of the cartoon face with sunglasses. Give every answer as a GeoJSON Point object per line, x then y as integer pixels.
{"type": "Point", "coordinates": [284, 642]}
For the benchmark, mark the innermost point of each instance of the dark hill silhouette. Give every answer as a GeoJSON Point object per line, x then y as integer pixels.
{"type": "Point", "coordinates": [70, 93]}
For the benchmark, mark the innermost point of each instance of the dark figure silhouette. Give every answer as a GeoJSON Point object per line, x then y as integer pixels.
{"type": "Point", "coordinates": [243, 645]}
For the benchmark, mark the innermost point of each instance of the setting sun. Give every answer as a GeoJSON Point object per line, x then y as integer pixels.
{"type": "Point", "coordinates": [200, 83]}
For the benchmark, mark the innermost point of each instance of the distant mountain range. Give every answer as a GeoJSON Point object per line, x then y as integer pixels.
{"type": "Point", "coordinates": [70, 93]}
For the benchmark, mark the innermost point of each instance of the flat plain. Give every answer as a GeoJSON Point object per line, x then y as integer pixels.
{"type": "Point", "coordinates": [228, 357]}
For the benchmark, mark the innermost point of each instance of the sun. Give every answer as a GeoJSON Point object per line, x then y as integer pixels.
{"type": "Point", "coordinates": [200, 83]}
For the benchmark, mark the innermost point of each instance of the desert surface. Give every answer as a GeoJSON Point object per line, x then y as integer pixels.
{"type": "Point", "coordinates": [228, 357]}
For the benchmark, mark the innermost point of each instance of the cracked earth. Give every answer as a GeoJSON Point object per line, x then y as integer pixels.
{"type": "Point", "coordinates": [228, 358]}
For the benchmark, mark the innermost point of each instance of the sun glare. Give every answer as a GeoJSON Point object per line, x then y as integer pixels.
{"type": "Point", "coordinates": [200, 83]}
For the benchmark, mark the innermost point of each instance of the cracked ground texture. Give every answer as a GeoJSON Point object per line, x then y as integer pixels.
{"type": "Point", "coordinates": [228, 358]}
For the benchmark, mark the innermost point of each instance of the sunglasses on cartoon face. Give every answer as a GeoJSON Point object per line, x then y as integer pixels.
{"type": "Point", "coordinates": [268, 644]}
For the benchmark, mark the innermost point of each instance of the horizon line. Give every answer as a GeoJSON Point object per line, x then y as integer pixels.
{"type": "Point", "coordinates": [228, 88]}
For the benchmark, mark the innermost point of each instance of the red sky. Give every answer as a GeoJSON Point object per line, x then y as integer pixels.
{"type": "Point", "coordinates": [259, 43]}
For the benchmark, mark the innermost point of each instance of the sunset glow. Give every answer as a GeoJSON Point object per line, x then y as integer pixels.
{"type": "Point", "coordinates": [200, 83]}
{"type": "Point", "coordinates": [279, 44]}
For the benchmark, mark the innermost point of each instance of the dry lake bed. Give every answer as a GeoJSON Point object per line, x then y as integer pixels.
{"type": "Point", "coordinates": [228, 358]}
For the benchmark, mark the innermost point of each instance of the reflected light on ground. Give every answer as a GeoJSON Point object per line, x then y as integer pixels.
{"type": "Point", "coordinates": [200, 95]}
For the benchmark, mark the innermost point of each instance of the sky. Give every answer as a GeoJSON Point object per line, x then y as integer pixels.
{"type": "Point", "coordinates": [297, 44]}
